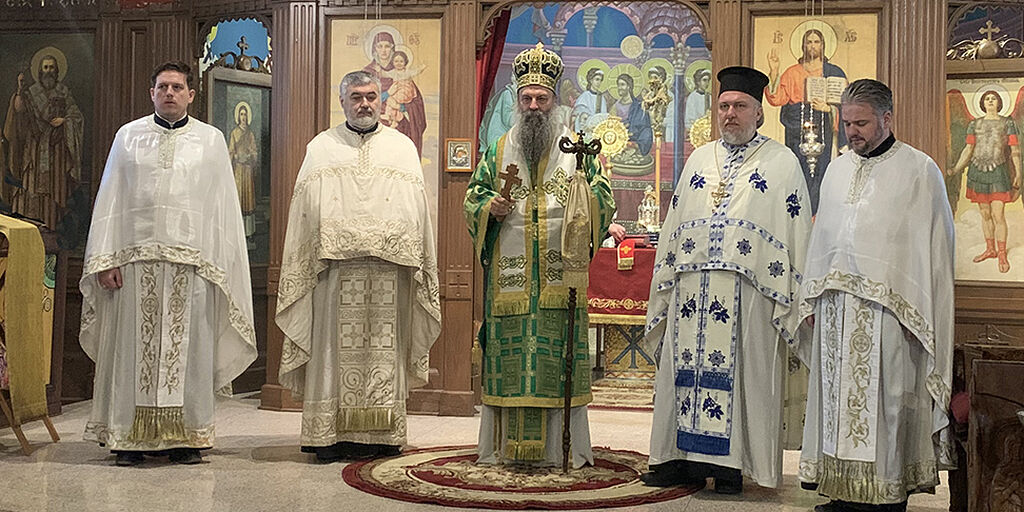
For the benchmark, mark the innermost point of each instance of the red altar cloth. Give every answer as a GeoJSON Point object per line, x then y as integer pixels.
{"type": "Point", "coordinates": [619, 296]}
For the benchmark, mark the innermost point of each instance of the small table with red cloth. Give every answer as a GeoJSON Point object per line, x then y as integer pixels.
{"type": "Point", "coordinates": [617, 306]}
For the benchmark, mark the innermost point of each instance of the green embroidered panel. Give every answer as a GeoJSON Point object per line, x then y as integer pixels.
{"type": "Point", "coordinates": [523, 365]}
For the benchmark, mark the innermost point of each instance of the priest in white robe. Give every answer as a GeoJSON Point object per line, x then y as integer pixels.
{"type": "Point", "coordinates": [722, 304]}
{"type": "Point", "coordinates": [879, 293]}
{"type": "Point", "coordinates": [358, 303]}
{"type": "Point", "coordinates": [166, 296]}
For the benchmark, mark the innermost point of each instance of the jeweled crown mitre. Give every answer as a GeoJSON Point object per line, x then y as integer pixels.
{"type": "Point", "coordinates": [537, 66]}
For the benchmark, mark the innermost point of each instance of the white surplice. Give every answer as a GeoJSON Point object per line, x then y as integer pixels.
{"type": "Point", "coordinates": [879, 281]}
{"type": "Point", "coordinates": [359, 303]}
{"type": "Point", "coordinates": [181, 327]}
{"type": "Point", "coordinates": [722, 308]}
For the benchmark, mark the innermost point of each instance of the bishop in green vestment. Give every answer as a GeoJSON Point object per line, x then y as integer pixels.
{"type": "Point", "coordinates": [518, 241]}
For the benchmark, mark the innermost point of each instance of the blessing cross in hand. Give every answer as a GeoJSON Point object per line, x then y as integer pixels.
{"type": "Point", "coordinates": [579, 148]}
{"type": "Point", "coordinates": [511, 176]}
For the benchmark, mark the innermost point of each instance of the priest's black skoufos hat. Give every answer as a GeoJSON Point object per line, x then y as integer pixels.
{"type": "Point", "coordinates": [743, 79]}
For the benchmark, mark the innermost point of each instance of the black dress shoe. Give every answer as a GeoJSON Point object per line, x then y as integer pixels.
{"type": "Point", "coordinates": [388, 450]}
{"type": "Point", "coordinates": [330, 453]}
{"type": "Point", "coordinates": [126, 459]}
{"type": "Point", "coordinates": [185, 456]}
{"type": "Point", "coordinates": [729, 485]}
{"type": "Point", "coordinates": [669, 474]}
{"type": "Point", "coordinates": [849, 506]}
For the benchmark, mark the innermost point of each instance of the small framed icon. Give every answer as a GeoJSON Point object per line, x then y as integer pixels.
{"type": "Point", "coordinates": [458, 155]}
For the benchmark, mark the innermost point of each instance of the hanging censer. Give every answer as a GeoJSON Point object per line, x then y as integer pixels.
{"type": "Point", "coordinates": [811, 147]}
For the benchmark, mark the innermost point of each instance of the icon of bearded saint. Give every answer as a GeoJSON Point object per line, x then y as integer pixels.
{"type": "Point", "coordinates": [44, 129]}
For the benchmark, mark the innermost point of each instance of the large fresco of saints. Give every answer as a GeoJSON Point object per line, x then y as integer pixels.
{"type": "Point", "coordinates": [640, 71]}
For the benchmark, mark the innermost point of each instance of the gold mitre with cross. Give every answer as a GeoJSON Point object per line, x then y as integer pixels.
{"type": "Point", "coordinates": [537, 66]}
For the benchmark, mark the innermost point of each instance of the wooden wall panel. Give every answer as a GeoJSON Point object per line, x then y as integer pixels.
{"type": "Point", "coordinates": [449, 391]}
{"type": "Point", "coordinates": [295, 33]}
{"type": "Point", "coordinates": [989, 312]}
{"type": "Point", "coordinates": [109, 94]}
{"type": "Point", "coordinates": [137, 45]}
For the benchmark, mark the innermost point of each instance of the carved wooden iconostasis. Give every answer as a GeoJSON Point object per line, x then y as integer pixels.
{"type": "Point", "coordinates": [312, 43]}
{"type": "Point", "coordinates": [984, 112]}
{"type": "Point", "coordinates": [990, 301]}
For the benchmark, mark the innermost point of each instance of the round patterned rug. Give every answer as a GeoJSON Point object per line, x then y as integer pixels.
{"type": "Point", "coordinates": [449, 476]}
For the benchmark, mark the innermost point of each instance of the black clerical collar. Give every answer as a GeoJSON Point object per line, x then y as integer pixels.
{"type": "Point", "coordinates": [362, 132]}
{"type": "Point", "coordinates": [169, 125]}
{"type": "Point", "coordinates": [883, 147]}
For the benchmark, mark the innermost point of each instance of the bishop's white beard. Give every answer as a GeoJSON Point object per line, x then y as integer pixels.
{"type": "Point", "coordinates": [534, 130]}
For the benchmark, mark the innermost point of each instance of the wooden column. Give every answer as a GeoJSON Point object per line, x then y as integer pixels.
{"type": "Point", "coordinates": [728, 34]}
{"type": "Point", "coordinates": [293, 110]}
{"type": "Point", "coordinates": [449, 391]}
{"type": "Point", "coordinates": [918, 74]}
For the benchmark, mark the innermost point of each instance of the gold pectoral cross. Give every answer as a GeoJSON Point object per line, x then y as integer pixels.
{"type": "Point", "coordinates": [719, 193]}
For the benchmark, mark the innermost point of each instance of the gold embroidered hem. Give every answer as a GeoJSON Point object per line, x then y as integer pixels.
{"type": "Point", "coordinates": [336, 242]}
{"type": "Point", "coordinates": [859, 482]}
{"type": "Point", "coordinates": [324, 423]}
{"type": "Point", "coordinates": [518, 303]}
{"type": "Point", "coordinates": [528, 401]}
{"type": "Point", "coordinates": [173, 254]}
{"type": "Point", "coordinates": [154, 428]}
{"type": "Point", "coordinates": [627, 304]}
{"type": "Point", "coordinates": [393, 173]}
{"type": "Point", "coordinates": [509, 304]}
{"type": "Point", "coordinates": [367, 237]}
{"type": "Point", "coordinates": [526, 433]}
{"type": "Point", "coordinates": [874, 291]}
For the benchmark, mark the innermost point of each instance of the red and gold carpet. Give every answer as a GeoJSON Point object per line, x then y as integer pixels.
{"type": "Point", "coordinates": [448, 476]}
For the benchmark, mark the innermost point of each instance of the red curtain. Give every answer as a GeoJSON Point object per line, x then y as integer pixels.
{"type": "Point", "coordinates": [488, 59]}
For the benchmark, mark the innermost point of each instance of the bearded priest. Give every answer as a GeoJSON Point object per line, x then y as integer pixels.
{"type": "Point", "coordinates": [722, 307]}
{"type": "Point", "coordinates": [515, 208]}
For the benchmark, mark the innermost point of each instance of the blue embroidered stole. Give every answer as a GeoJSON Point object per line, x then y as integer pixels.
{"type": "Point", "coordinates": [705, 327]}
{"type": "Point", "coordinates": [707, 306]}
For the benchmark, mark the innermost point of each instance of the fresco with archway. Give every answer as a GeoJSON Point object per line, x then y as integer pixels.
{"type": "Point", "coordinates": [615, 55]}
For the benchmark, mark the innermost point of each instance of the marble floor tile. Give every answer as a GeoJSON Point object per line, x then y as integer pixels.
{"type": "Point", "coordinates": [256, 466]}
